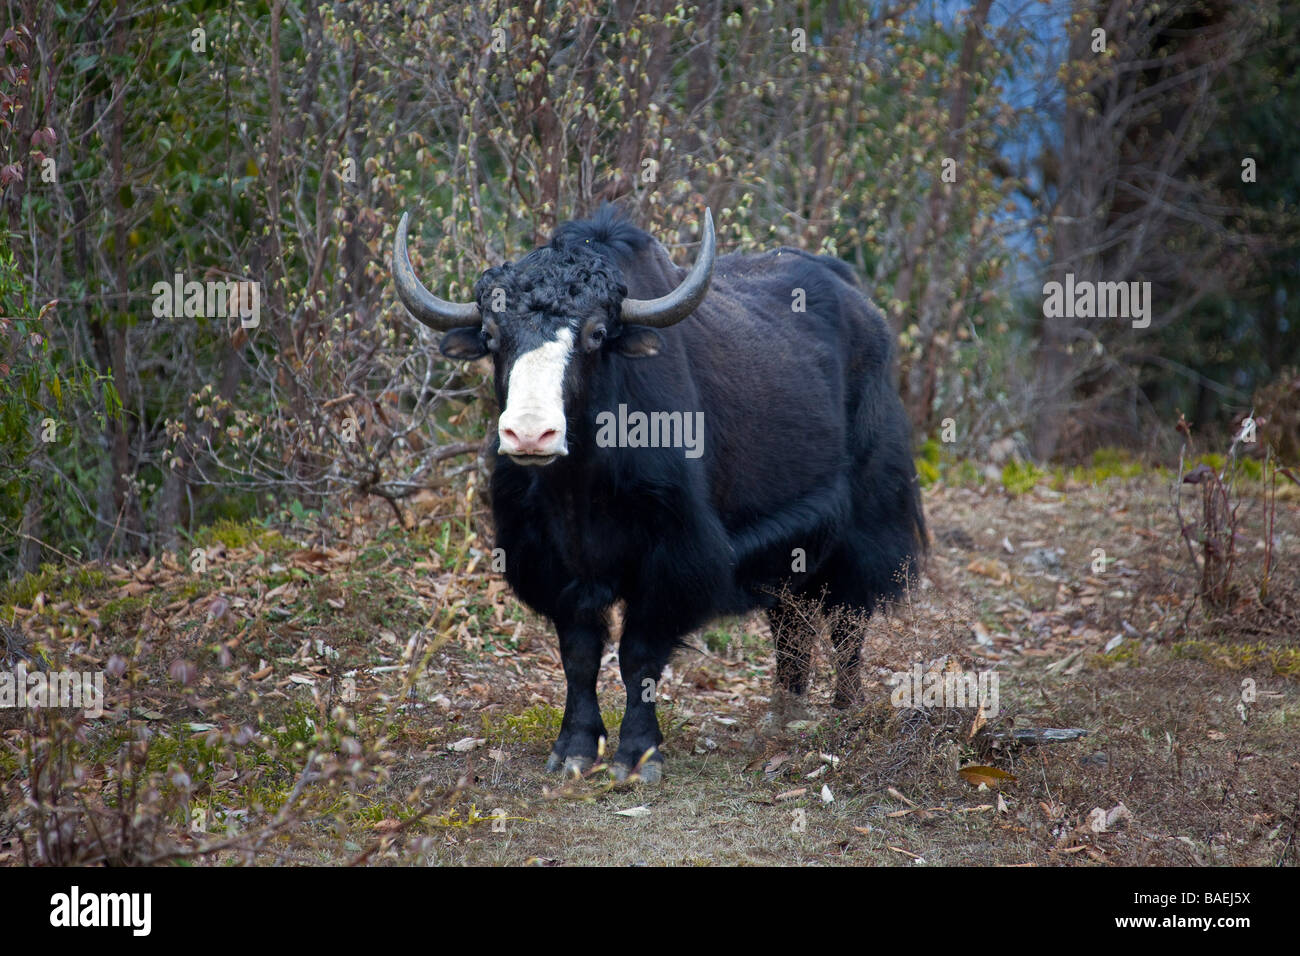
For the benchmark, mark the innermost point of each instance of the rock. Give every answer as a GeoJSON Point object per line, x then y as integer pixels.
{"type": "Point", "coordinates": [1043, 559]}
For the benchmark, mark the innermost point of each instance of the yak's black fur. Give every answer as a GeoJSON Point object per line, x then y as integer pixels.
{"type": "Point", "coordinates": [806, 446]}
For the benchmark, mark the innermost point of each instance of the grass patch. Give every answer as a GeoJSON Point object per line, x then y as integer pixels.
{"type": "Point", "coordinates": [241, 534]}
{"type": "Point", "coordinates": [1282, 661]}
{"type": "Point", "coordinates": [123, 612]}
{"type": "Point", "coordinates": [539, 724]}
{"type": "Point", "coordinates": [73, 585]}
{"type": "Point", "coordinates": [1124, 655]}
{"type": "Point", "coordinates": [1019, 477]}
{"type": "Point", "coordinates": [928, 469]}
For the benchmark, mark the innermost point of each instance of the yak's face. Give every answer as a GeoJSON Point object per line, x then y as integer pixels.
{"type": "Point", "coordinates": [548, 321]}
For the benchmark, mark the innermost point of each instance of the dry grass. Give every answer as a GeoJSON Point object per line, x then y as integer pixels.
{"type": "Point", "coordinates": [1202, 776]}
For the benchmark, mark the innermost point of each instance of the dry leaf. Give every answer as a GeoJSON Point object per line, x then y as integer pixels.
{"type": "Point", "coordinates": [989, 776]}
{"type": "Point", "coordinates": [898, 796]}
{"type": "Point", "coordinates": [990, 568]}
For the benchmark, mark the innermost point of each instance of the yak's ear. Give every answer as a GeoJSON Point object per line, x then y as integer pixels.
{"type": "Point", "coordinates": [464, 344]}
{"type": "Point", "coordinates": [638, 341]}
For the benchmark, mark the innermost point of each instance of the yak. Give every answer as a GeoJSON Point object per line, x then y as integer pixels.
{"type": "Point", "coordinates": [691, 444]}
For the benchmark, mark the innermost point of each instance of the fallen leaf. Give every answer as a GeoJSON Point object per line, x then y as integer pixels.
{"type": "Point", "coordinates": [773, 765]}
{"type": "Point", "coordinates": [1117, 815]}
{"type": "Point", "coordinates": [898, 796]}
{"type": "Point", "coordinates": [989, 776]}
{"type": "Point", "coordinates": [990, 568]}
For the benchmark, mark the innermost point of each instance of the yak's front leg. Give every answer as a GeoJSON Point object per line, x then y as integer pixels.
{"type": "Point", "coordinates": [641, 658]}
{"type": "Point", "coordinates": [582, 644]}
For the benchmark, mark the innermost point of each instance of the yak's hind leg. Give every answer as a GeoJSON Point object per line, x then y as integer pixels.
{"type": "Point", "coordinates": [793, 637]}
{"type": "Point", "coordinates": [858, 581]}
{"type": "Point", "coordinates": [847, 633]}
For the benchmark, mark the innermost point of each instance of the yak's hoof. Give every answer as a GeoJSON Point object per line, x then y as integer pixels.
{"type": "Point", "coordinates": [571, 766]}
{"type": "Point", "coordinates": [650, 772]}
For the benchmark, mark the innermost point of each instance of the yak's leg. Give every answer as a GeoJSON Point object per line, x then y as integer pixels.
{"type": "Point", "coordinates": [582, 644]}
{"type": "Point", "coordinates": [794, 640]}
{"type": "Point", "coordinates": [641, 659]}
{"type": "Point", "coordinates": [846, 638]}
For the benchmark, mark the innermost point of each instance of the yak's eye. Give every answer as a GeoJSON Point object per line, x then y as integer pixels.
{"type": "Point", "coordinates": [595, 338]}
{"type": "Point", "coordinates": [491, 336]}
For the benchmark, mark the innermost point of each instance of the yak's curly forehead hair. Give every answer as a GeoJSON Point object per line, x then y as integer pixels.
{"type": "Point", "coordinates": [563, 279]}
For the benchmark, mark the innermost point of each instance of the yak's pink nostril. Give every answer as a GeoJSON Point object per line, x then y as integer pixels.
{"type": "Point", "coordinates": [542, 443]}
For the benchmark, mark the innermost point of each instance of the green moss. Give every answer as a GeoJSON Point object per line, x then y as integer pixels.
{"type": "Point", "coordinates": [241, 534]}
{"type": "Point", "coordinates": [538, 724]}
{"type": "Point", "coordinates": [926, 472]}
{"type": "Point", "coordinates": [190, 591]}
{"type": "Point", "coordinates": [1126, 653]}
{"type": "Point", "coordinates": [302, 728]}
{"type": "Point", "coordinates": [717, 640]}
{"type": "Point", "coordinates": [1110, 458]}
{"type": "Point", "coordinates": [968, 473]}
{"type": "Point", "coordinates": [74, 584]}
{"type": "Point", "coordinates": [123, 610]}
{"type": "Point", "coordinates": [930, 464]}
{"type": "Point", "coordinates": [1282, 661]}
{"type": "Point", "coordinates": [1019, 477]}
{"type": "Point", "coordinates": [1252, 468]}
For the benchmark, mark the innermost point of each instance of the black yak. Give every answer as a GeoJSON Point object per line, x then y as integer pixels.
{"type": "Point", "coordinates": [692, 445]}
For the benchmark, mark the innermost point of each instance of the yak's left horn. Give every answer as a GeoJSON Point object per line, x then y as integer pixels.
{"type": "Point", "coordinates": [676, 305]}
{"type": "Point", "coordinates": [434, 312]}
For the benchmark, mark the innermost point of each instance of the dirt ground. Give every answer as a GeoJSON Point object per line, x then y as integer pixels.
{"type": "Point", "coordinates": [355, 692]}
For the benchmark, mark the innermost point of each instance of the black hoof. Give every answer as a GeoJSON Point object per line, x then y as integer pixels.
{"type": "Point", "coordinates": [571, 766]}
{"type": "Point", "coordinates": [649, 772]}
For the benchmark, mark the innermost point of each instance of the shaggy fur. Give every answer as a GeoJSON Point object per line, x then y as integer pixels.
{"type": "Point", "coordinates": [806, 451]}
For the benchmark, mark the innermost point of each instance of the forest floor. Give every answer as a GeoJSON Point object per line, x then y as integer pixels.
{"type": "Point", "coordinates": [354, 692]}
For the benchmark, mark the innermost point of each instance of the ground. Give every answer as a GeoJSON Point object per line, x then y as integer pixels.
{"type": "Point", "coordinates": [351, 691]}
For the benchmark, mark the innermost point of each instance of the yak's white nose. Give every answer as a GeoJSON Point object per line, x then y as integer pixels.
{"type": "Point", "coordinates": [532, 425]}
{"type": "Point", "coordinates": [531, 433]}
